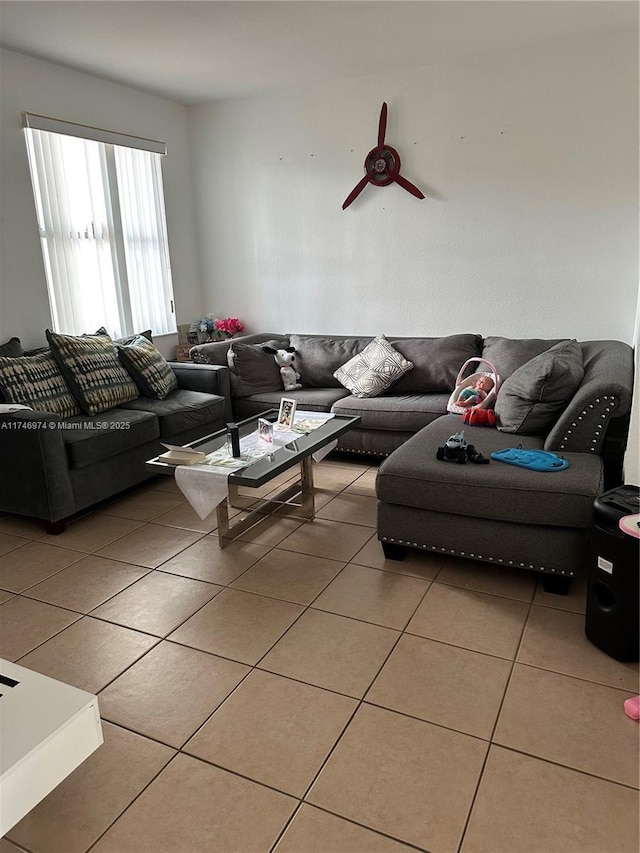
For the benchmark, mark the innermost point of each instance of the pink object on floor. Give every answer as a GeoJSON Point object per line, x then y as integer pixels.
{"type": "Point", "coordinates": [632, 708]}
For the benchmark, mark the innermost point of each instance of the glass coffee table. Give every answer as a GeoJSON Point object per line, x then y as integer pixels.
{"type": "Point", "coordinates": [296, 498]}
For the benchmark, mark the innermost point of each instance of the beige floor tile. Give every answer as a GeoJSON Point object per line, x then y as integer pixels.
{"type": "Point", "coordinates": [93, 532]}
{"type": "Point", "coordinates": [526, 805]}
{"type": "Point", "coordinates": [144, 505]}
{"type": "Point", "coordinates": [89, 654]}
{"type": "Point", "coordinates": [575, 600]}
{"type": "Point", "coordinates": [150, 545]}
{"type": "Point", "coordinates": [331, 651]}
{"type": "Point", "coordinates": [442, 684]}
{"type": "Point", "coordinates": [555, 640]}
{"type": "Point", "coordinates": [5, 596]}
{"type": "Point", "coordinates": [274, 730]}
{"type": "Point", "coordinates": [8, 542]}
{"type": "Point", "coordinates": [485, 577]}
{"type": "Point", "coordinates": [164, 483]}
{"type": "Point", "coordinates": [335, 478]}
{"type": "Point", "coordinates": [8, 847]}
{"type": "Point", "coordinates": [384, 598]}
{"type": "Point", "coordinates": [365, 484]}
{"type": "Point", "coordinates": [404, 777]}
{"type": "Point", "coordinates": [324, 538]}
{"type": "Point", "coordinates": [289, 576]}
{"type": "Point", "coordinates": [26, 566]}
{"type": "Point", "coordinates": [79, 810]}
{"type": "Point", "coordinates": [336, 459]}
{"type": "Point", "coordinates": [238, 625]}
{"type": "Point", "coordinates": [185, 516]}
{"type": "Point", "coordinates": [22, 525]}
{"type": "Point", "coordinates": [193, 807]}
{"type": "Point", "coordinates": [157, 603]}
{"type": "Point", "coordinates": [541, 707]}
{"type": "Point", "coordinates": [351, 508]}
{"type": "Point", "coordinates": [315, 831]}
{"type": "Point", "coordinates": [206, 561]}
{"type": "Point", "coordinates": [322, 497]}
{"type": "Point", "coordinates": [87, 583]}
{"type": "Point", "coordinates": [24, 624]}
{"type": "Point", "coordinates": [419, 564]}
{"type": "Point", "coordinates": [483, 623]}
{"type": "Point", "coordinates": [170, 692]}
{"type": "Point", "coordinates": [271, 530]}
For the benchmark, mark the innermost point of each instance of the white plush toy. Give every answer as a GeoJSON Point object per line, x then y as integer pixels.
{"type": "Point", "coordinates": [284, 358]}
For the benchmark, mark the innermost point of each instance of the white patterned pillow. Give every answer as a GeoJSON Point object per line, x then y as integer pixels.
{"type": "Point", "coordinates": [374, 370]}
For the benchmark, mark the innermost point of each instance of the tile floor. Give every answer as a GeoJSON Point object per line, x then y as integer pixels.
{"type": "Point", "coordinates": [297, 693]}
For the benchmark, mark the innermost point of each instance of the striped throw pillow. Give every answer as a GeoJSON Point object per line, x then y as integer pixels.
{"type": "Point", "coordinates": [36, 381]}
{"type": "Point", "coordinates": [91, 367]}
{"type": "Point", "coordinates": [148, 368]}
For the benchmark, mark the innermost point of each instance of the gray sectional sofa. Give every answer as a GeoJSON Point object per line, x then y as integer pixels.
{"type": "Point", "coordinates": [52, 468]}
{"type": "Point", "coordinates": [494, 513]}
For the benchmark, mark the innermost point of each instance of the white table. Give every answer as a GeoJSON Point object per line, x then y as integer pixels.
{"type": "Point", "coordinates": [46, 730]}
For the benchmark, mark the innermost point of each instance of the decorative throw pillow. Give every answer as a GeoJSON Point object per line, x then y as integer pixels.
{"type": "Point", "coordinates": [91, 367]}
{"type": "Point", "coordinates": [12, 348]}
{"type": "Point", "coordinates": [36, 381]}
{"type": "Point", "coordinates": [531, 399]}
{"type": "Point", "coordinates": [147, 367]}
{"type": "Point", "coordinates": [252, 370]}
{"type": "Point", "coordinates": [373, 370]}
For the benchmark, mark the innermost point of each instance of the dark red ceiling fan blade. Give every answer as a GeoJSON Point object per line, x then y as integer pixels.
{"type": "Point", "coordinates": [355, 192]}
{"type": "Point", "coordinates": [382, 125]}
{"type": "Point", "coordinates": [408, 186]}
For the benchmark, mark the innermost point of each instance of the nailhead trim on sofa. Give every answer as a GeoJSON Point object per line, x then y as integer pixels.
{"type": "Point", "coordinates": [487, 558]}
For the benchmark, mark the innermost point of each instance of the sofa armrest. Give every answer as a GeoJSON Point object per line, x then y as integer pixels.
{"type": "Point", "coordinates": [208, 378]}
{"type": "Point", "coordinates": [605, 394]}
{"type": "Point", "coordinates": [215, 352]}
{"type": "Point", "coordinates": [34, 474]}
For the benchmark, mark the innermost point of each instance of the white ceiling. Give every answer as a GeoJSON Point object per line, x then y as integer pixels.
{"type": "Point", "coordinates": [199, 50]}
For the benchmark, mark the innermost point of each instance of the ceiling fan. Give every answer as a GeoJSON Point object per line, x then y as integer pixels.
{"type": "Point", "coordinates": [382, 166]}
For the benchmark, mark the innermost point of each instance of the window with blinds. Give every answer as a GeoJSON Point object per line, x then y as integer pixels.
{"type": "Point", "coordinates": [100, 208]}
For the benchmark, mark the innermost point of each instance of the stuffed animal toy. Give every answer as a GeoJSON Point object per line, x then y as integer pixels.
{"type": "Point", "coordinates": [284, 358]}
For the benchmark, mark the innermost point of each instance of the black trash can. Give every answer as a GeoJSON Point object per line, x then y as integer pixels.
{"type": "Point", "coordinates": [613, 593]}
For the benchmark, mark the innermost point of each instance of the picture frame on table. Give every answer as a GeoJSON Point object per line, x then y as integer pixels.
{"type": "Point", "coordinates": [265, 430]}
{"type": "Point", "coordinates": [286, 413]}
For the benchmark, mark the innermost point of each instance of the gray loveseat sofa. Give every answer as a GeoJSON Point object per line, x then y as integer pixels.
{"type": "Point", "coordinates": [51, 468]}
{"type": "Point", "coordinates": [494, 513]}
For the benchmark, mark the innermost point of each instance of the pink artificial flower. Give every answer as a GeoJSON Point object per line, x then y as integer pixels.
{"type": "Point", "coordinates": [230, 326]}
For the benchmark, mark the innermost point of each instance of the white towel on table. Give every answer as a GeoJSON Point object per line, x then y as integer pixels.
{"type": "Point", "coordinates": [202, 486]}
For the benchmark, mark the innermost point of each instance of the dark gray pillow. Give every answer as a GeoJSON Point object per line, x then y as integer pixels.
{"type": "Point", "coordinates": [12, 348]}
{"type": "Point", "coordinates": [436, 361]}
{"type": "Point", "coordinates": [531, 399]}
{"type": "Point", "coordinates": [252, 370]}
{"type": "Point", "coordinates": [318, 357]}
{"type": "Point", "coordinates": [508, 354]}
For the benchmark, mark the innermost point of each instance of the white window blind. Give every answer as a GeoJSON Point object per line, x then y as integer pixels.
{"type": "Point", "coordinates": [100, 207]}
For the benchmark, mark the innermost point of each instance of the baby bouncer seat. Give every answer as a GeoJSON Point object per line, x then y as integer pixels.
{"type": "Point", "coordinates": [461, 383]}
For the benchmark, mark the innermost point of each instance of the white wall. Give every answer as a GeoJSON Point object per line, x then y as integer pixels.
{"type": "Point", "coordinates": [529, 161]}
{"type": "Point", "coordinates": [30, 85]}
